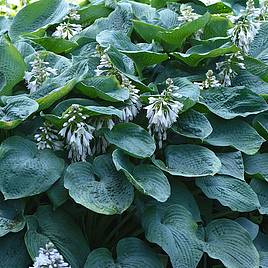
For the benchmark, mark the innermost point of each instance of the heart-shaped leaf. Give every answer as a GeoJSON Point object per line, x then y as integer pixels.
{"type": "Point", "coordinates": [189, 160]}
{"type": "Point", "coordinates": [16, 110]}
{"type": "Point", "coordinates": [132, 139]}
{"type": "Point", "coordinates": [148, 179]}
{"type": "Point", "coordinates": [59, 228]}
{"type": "Point", "coordinates": [229, 191]}
{"type": "Point", "coordinates": [260, 187]}
{"type": "Point", "coordinates": [99, 187]}
{"type": "Point", "coordinates": [25, 170]}
{"type": "Point", "coordinates": [131, 252]}
{"type": "Point", "coordinates": [235, 133]}
{"type": "Point", "coordinates": [230, 102]}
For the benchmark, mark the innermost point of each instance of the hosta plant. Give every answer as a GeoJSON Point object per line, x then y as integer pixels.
{"type": "Point", "coordinates": [133, 134]}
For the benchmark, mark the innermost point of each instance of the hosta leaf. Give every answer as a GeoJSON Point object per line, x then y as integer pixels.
{"type": "Point", "coordinates": [99, 187]}
{"type": "Point", "coordinates": [252, 82]}
{"type": "Point", "coordinates": [25, 170]}
{"type": "Point", "coordinates": [13, 252]}
{"type": "Point", "coordinates": [104, 87]}
{"type": "Point", "coordinates": [231, 102]}
{"type": "Point", "coordinates": [59, 228]}
{"type": "Point", "coordinates": [250, 226]}
{"type": "Point", "coordinates": [118, 20]}
{"type": "Point", "coordinates": [4, 24]}
{"type": "Point", "coordinates": [198, 53]}
{"type": "Point", "coordinates": [232, 164]}
{"type": "Point", "coordinates": [132, 139]}
{"type": "Point", "coordinates": [12, 66]}
{"type": "Point", "coordinates": [131, 253]}
{"type": "Point", "coordinates": [189, 160]}
{"type": "Point", "coordinates": [230, 243]}
{"type": "Point", "coordinates": [38, 15]}
{"type": "Point", "coordinates": [235, 133]}
{"type": "Point", "coordinates": [56, 45]}
{"type": "Point", "coordinates": [257, 165]}
{"type": "Point", "coordinates": [11, 216]}
{"type": "Point", "coordinates": [260, 187]}
{"type": "Point", "coordinates": [261, 124]}
{"type": "Point", "coordinates": [57, 87]}
{"type": "Point", "coordinates": [192, 124]}
{"type": "Point", "coordinates": [175, 231]}
{"type": "Point", "coordinates": [122, 42]}
{"type": "Point", "coordinates": [230, 192]}
{"type": "Point", "coordinates": [174, 39]}
{"type": "Point", "coordinates": [16, 110]}
{"type": "Point", "coordinates": [190, 93]}
{"type": "Point", "coordinates": [148, 179]}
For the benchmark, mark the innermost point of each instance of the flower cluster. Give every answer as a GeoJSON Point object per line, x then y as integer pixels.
{"type": "Point", "coordinates": [100, 144]}
{"type": "Point", "coordinates": [49, 257]}
{"type": "Point", "coordinates": [67, 30]}
{"type": "Point", "coordinates": [39, 73]}
{"type": "Point", "coordinates": [163, 110]}
{"type": "Point", "coordinates": [246, 26]}
{"type": "Point", "coordinates": [187, 13]}
{"type": "Point", "coordinates": [229, 67]}
{"type": "Point", "coordinates": [77, 134]}
{"type": "Point", "coordinates": [47, 138]}
{"type": "Point", "coordinates": [133, 104]}
{"type": "Point", "coordinates": [210, 81]}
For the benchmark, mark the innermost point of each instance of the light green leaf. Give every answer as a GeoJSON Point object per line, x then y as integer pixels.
{"type": "Point", "coordinates": [59, 228]}
{"type": "Point", "coordinates": [131, 252]}
{"type": "Point", "coordinates": [132, 139]}
{"type": "Point", "coordinates": [215, 48]}
{"type": "Point", "coordinates": [99, 187]}
{"type": "Point", "coordinates": [257, 165]}
{"type": "Point", "coordinates": [38, 15]}
{"type": "Point", "coordinates": [11, 216]}
{"type": "Point", "coordinates": [260, 187]}
{"type": "Point", "coordinates": [235, 133]}
{"type": "Point", "coordinates": [25, 170]}
{"type": "Point", "coordinates": [230, 192]}
{"type": "Point", "coordinates": [192, 124]}
{"type": "Point", "coordinates": [12, 66]}
{"type": "Point", "coordinates": [174, 39]}
{"type": "Point", "coordinates": [189, 160]}
{"type": "Point", "coordinates": [230, 243]}
{"type": "Point", "coordinates": [230, 102]}
{"type": "Point", "coordinates": [232, 164]}
{"type": "Point", "coordinates": [13, 252]}
{"type": "Point", "coordinates": [148, 179]}
{"type": "Point", "coordinates": [16, 110]}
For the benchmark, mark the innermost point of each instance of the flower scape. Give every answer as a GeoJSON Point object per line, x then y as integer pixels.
{"type": "Point", "coordinates": [133, 134]}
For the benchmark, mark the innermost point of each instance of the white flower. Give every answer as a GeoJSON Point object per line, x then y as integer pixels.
{"type": "Point", "coordinates": [133, 104]}
{"type": "Point", "coordinates": [77, 134]}
{"type": "Point", "coordinates": [246, 26]}
{"type": "Point", "coordinates": [229, 67]}
{"type": "Point", "coordinates": [72, 15]}
{"type": "Point", "coordinates": [162, 111]}
{"type": "Point", "coordinates": [210, 81]}
{"type": "Point", "coordinates": [187, 13]}
{"type": "Point", "coordinates": [39, 73]}
{"type": "Point", "coordinates": [67, 30]}
{"type": "Point", "coordinates": [105, 67]}
{"type": "Point", "coordinates": [100, 143]}
{"type": "Point", "coordinates": [47, 138]}
{"type": "Point", "coordinates": [49, 257]}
